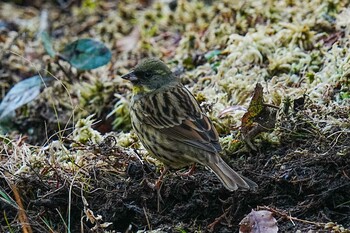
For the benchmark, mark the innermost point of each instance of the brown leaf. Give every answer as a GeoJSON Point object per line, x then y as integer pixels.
{"type": "Point", "coordinates": [260, 221]}
{"type": "Point", "coordinates": [259, 118]}
{"type": "Point", "coordinates": [129, 42]}
{"type": "Point", "coordinates": [255, 106]}
{"type": "Point", "coordinates": [146, 3]}
{"type": "Point", "coordinates": [332, 38]}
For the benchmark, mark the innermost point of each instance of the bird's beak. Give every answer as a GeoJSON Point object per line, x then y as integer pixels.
{"type": "Point", "coordinates": [130, 77]}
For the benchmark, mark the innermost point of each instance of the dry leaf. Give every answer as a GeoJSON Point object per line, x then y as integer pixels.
{"type": "Point", "coordinates": [260, 221]}
{"type": "Point", "coordinates": [259, 118]}
{"type": "Point", "coordinates": [129, 42]}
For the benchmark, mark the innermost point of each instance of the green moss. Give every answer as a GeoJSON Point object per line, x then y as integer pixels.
{"type": "Point", "coordinates": [84, 133]}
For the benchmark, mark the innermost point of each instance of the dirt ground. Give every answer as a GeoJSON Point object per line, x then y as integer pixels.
{"type": "Point", "coordinates": [306, 179]}
{"type": "Point", "coordinates": [302, 181]}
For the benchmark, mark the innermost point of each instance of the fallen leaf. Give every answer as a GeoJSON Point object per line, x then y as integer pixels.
{"type": "Point", "coordinates": [47, 43]}
{"type": "Point", "coordinates": [129, 42]}
{"type": "Point", "coordinates": [86, 54]}
{"type": "Point", "coordinates": [20, 94]}
{"type": "Point", "coordinates": [259, 118]}
{"type": "Point", "coordinates": [260, 221]}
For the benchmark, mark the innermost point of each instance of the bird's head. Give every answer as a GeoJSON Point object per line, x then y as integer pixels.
{"type": "Point", "coordinates": [149, 75]}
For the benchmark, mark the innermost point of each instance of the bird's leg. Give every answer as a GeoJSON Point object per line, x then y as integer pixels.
{"type": "Point", "coordinates": [158, 183]}
{"type": "Point", "coordinates": [157, 186]}
{"type": "Point", "coordinates": [190, 171]}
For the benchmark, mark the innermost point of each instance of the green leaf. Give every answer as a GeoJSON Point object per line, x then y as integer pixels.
{"type": "Point", "coordinates": [20, 94]}
{"type": "Point", "coordinates": [215, 66]}
{"type": "Point", "coordinates": [47, 43]}
{"type": "Point", "coordinates": [86, 54]}
{"type": "Point", "coordinates": [211, 54]}
{"type": "Point", "coordinates": [7, 199]}
{"type": "Point", "coordinates": [344, 95]}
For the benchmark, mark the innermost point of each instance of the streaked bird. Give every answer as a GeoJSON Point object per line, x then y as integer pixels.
{"type": "Point", "coordinates": [172, 126]}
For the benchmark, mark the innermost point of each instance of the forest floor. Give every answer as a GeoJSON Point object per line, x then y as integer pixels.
{"type": "Point", "coordinates": [70, 161]}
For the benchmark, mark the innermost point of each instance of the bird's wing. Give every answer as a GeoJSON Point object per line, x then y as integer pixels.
{"type": "Point", "coordinates": [176, 113]}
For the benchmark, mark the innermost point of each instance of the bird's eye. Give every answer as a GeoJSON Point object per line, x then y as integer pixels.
{"type": "Point", "coordinates": [147, 74]}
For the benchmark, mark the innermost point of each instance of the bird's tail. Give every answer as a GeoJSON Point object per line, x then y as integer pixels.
{"type": "Point", "coordinates": [229, 178]}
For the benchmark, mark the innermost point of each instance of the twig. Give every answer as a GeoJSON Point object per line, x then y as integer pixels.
{"type": "Point", "coordinates": [270, 105]}
{"type": "Point", "coordinates": [212, 225]}
{"type": "Point", "coordinates": [62, 68]}
{"type": "Point", "coordinates": [290, 218]}
{"type": "Point", "coordinates": [23, 219]}
{"type": "Point", "coordinates": [146, 215]}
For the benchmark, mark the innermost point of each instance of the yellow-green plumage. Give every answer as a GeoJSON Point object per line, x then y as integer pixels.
{"type": "Point", "coordinates": [171, 125]}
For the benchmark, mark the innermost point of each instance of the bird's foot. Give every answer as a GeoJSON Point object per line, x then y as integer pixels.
{"type": "Point", "coordinates": [189, 172]}
{"type": "Point", "coordinates": [157, 185]}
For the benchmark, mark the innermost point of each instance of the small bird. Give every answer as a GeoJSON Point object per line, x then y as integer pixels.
{"type": "Point", "coordinates": [172, 126]}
